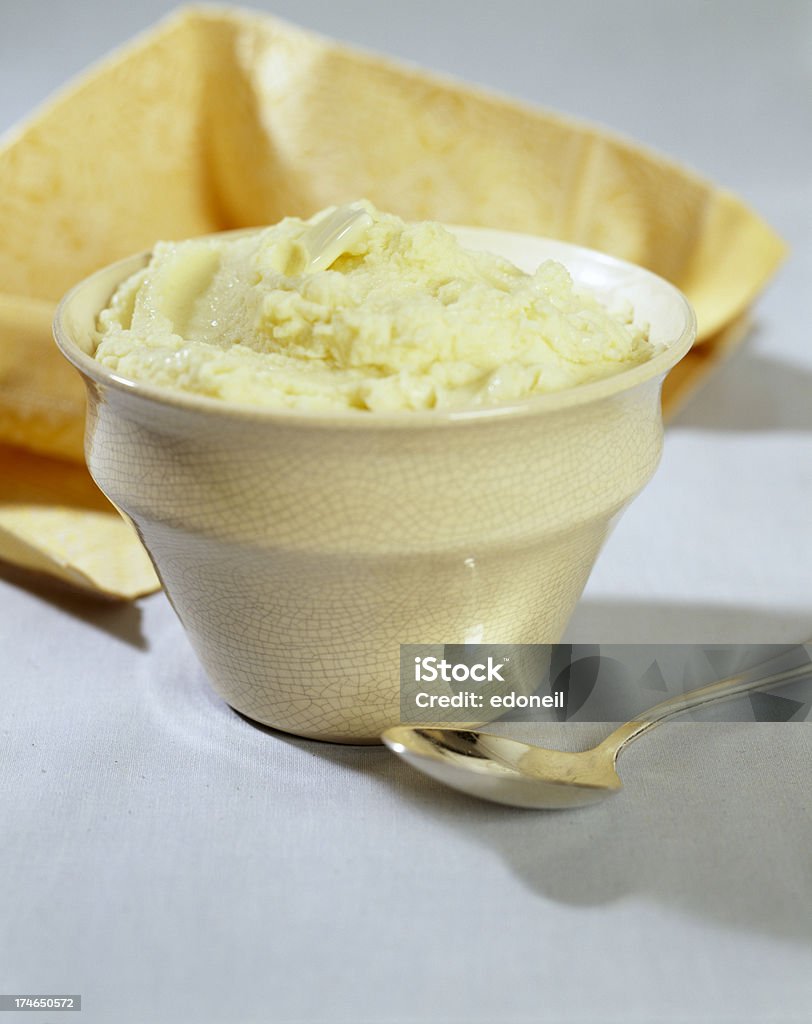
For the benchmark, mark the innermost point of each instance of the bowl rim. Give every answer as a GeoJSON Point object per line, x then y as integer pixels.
{"type": "Point", "coordinates": [401, 419]}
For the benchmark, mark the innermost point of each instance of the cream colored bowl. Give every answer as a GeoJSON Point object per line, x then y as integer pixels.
{"type": "Point", "coordinates": [299, 551]}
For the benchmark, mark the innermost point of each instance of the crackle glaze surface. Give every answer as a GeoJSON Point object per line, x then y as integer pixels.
{"type": "Point", "coordinates": [300, 552]}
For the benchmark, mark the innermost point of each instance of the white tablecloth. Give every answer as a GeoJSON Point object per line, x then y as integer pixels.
{"type": "Point", "coordinates": [171, 862]}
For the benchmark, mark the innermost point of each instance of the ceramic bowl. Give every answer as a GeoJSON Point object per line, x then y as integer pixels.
{"type": "Point", "coordinates": [299, 551]}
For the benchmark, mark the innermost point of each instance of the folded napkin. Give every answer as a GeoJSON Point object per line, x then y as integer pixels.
{"type": "Point", "coordinates": [220, 118]}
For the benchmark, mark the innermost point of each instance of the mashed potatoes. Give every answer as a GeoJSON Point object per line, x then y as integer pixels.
{"type": "Point", "coordinates": [403, 318]}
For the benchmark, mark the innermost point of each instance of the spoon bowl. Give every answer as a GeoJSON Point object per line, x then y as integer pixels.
{"type": "Point", "coordinates": [506, 771]}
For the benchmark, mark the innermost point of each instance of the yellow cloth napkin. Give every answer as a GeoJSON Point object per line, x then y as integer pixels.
{"type": "Point", "coordinates": [219, 118]}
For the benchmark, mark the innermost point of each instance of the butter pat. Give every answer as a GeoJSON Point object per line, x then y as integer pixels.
{"type": "Point", "coordinates": [403, 318]}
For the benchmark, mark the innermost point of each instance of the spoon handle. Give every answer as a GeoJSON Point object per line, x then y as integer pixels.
{"type": "Point", "coordinates": [723, 690]}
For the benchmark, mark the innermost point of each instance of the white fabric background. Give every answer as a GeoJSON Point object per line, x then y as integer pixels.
{"type": "Point", "coordinates": [172, 862]}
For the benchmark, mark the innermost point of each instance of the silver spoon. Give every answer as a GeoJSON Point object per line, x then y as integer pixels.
{"type": "Point", "coordinates": [510, 772]}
